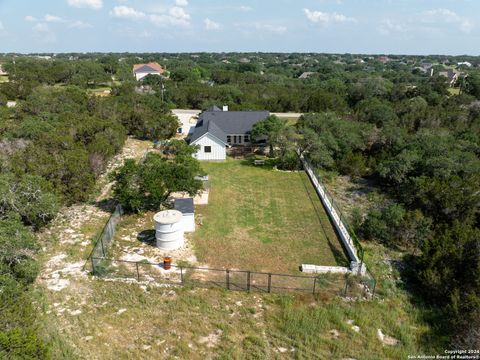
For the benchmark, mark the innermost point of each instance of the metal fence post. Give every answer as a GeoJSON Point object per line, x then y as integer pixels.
{"type": "Point", "coordinates": [248, 280]}
{"type": "Point", "coordinates": [93, 266]}
{"type": "Point", "coordinates": [346, 286]}
{"type": "Point", "coordinates": [314, 285]}
{"type": "Point", "coordinates": [228, 278]}
{"type": "Point", "coordinates": [269, 282]}
{"type": "Point", "coordinates": [138, 273]}
{"type": "Point", "coordinates": [181, 275]}
{"type": "Point", "coordinates": [101, 243]}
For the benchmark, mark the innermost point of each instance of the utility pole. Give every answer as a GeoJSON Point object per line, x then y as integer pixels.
{"type": "Point", "coordinates": [162, 89]}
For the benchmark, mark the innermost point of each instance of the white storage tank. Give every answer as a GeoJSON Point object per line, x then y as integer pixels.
{"type": "Point", "coordinates": [186, 207]}
{"type": "Point", "coordinates": [169, 229]}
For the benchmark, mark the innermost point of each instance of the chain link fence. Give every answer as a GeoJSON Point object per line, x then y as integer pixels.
{"type": "Point", "coordinates": [103, 241]}
{"type": "Point", "coordinates": [101, 265]}
{"type": "Point", "coordinates": [237, 280]}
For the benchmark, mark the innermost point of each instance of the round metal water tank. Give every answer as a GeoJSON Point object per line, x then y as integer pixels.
{"type": "Point", "coordinates": [169, 229]}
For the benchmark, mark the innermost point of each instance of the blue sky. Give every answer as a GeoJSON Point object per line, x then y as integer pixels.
{"type": "Point", "coordinates": [355, 26]}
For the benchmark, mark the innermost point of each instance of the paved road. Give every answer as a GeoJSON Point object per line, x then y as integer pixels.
{"type": "Point", "coordinates": [196, 112]}
{"type": "Point", "coordinates": [288, 115]}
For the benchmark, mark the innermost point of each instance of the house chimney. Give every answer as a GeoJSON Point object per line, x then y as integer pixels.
{"type": "Point", "coordinates": [225, 107]}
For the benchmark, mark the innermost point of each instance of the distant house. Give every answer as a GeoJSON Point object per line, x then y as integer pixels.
{"type": "Point", "coordinates": [465, 63]}
{"type": "Point", "coordinates": [451, 75]}
{"type": "Point", "coordinates": [383, 59]}
{"type": "Point", "coordinates": [306, 75]}
{"type": "Point", "coordinates": [2, 72]}
{"type": "Point", "coordinates": [218, 129]}
{"type": "Point", "coordinates": [142, 70]}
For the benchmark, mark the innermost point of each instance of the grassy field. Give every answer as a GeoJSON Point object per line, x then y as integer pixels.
{"type": "Point", "coordinates": [3, 78]}
{"type": "Point", "coordinates": [454, 91]}
{"type": "Point", "coordinates": [106, 320]}
{"type": "Point", "coordinates": [94, 319]}
{"type": "Point", "coordinates": [263, 220]}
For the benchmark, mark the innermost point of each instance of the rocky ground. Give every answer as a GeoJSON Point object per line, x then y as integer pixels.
{"type": "Point", "coordinates": [69, 239]}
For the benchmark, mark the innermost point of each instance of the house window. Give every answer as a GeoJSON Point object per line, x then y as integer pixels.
{"type": "Point", "coordinates": [207, 149]}
{"type": "Point", "coordinates": [246, 138]}
{"type": "Point", "coordinates": [234, 139]}
{"type": "Point", "coordinates": [229, 139]}
{"type": "Point", "coordinates": [239, 139]}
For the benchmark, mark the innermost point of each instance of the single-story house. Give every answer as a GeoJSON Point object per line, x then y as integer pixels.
{"type": "Point", "coordinates": [218, 129]}
{"type": "Point", "coordinates": [142, 70]}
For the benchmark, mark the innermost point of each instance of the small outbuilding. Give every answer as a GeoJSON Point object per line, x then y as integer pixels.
{"type": "Point", "coordinates": [185, 206]}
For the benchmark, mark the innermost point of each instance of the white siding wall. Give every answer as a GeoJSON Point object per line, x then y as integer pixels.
{"type": "Point", "coordinates": [188, 221]}
{"type": "Point", "coordinates": [141, 75]}
{"type": "Point", "coordinates": [218, 149]}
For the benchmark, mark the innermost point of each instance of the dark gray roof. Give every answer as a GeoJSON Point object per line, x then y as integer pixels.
{"type": "Point", "coordinates": [185, 206]}
{"type": "Point", "coordinates": [221, 123]}
{"type": "Point", "coordinates": [214, 108]}
{"type": "Point", "coordinates": [205, 126]}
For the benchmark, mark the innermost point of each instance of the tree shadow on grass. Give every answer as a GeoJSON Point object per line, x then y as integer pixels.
{"type": "Point", "coordinates": [107, 205]}
{"type": "Point", "coordinates": [340, 257]}
{"type": "Point", "coordinates": [147, 237]}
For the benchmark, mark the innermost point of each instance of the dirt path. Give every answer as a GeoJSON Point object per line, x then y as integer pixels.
{"type": "Point", "coordinates": [68, 240]}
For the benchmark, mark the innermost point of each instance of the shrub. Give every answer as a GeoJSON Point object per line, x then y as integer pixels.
{"type": "Point", "coordinates": [289, 161]}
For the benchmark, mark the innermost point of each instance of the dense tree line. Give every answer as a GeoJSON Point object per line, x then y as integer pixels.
{"type": "Point", "coordinates": [425, 158]}
{"type": "Point", "coordinates": [391, 123]}
{"type": "Point", "coordinates": [53, 146]}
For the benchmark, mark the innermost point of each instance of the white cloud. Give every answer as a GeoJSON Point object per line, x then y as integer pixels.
{"type": "Point", "coordinates": [449, 17]}
{"type": "Point", "coordinates": [80, 25]}
{"type": "Point", "coordinates": [325, 18]}
{"type": "Point", "coordinates": [181, 2]}
{"type": "Point", "coordinates": [53, 18]}
{"type": "Point", "coordinates": [125, 12]}
{"type": "Point", "coordinates": [93, 4]}
{"type": "Point", "coordinates": [389, 26]}
{"type": "Point", "coordinates": [179, 13]}
{"type": "Point", "coordinates": [176, 16]}
{"type": "Point", "coordinates": [245, 8]}
{"type": "Point", "coordinates": [173, 16]}
{"type": "Point", "coordinates": [277, 29]}
{"type": "Point", "coordinates": [43, 33]}
{"type": "Point", "coordinates": [48, 18]}
{"type": "Point", "coordinates": [212, 25]}
{"type": "Point", "coordinates": [40, 27]}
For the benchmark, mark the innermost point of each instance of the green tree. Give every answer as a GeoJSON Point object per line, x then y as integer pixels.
{"type": "Point", "coordinates": [271, 128]}
{"type": "Point", "coordinates": [449, 270]}
{"type": "Point", "coordinates": [30, 196]}
{"type": "Point", "coordinates": [148, 185]}
{"type": "Point", "coordinates": [385, 223]}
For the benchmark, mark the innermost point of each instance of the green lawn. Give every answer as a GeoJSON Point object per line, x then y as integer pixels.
{"type": "Point", "coordinates": [263, 220]}
{"type": "Point", "coordinates": [454, 91]}
{"type": "Point", "coordinates": [3, 78]}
